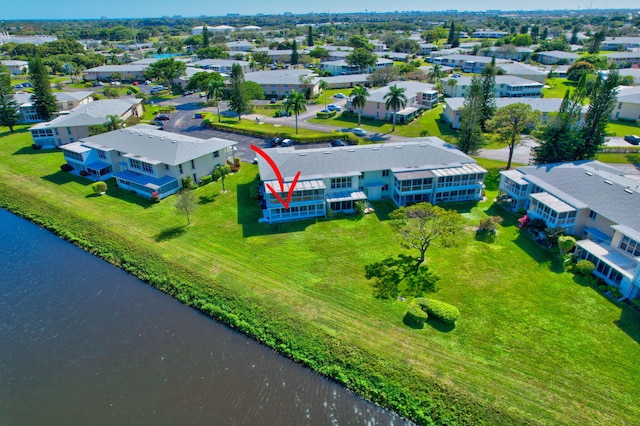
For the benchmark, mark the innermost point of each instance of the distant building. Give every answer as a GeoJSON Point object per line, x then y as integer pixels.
{"type": "Point", "coordinates": [221, 65]}
{"type": "Point", "coordinates": [628, 106]}
{"type": "Point", "coordinates": [488, 34]}
{"type": "Point", "coordinates": [220, 29]}
{"type": "Point", "coordinates": [507, 86]}
{"type": "Point", "coordinates": [65, 101]}
{"type": "Point", "coordinates": [16, 67]}
{"type": "Point", "coordinates": [129, 72]}
{"type": "Point", "coordinates": [280, 83]}
{"type": "Point", "coordinates": [468, 63]}
{"type": "Point", "coordinates": [624, 59]}
{"type": "Point", "coordinates": [556, 57]}
{"type": "Point", "coordinates": [342, 67]}
{"type": "Point", "coordinates": [620, 43]}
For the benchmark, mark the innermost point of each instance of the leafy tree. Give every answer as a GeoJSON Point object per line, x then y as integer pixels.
{"type": "Point", "coordinates": [358, 41]}
{"type": "Point", "coordinates": [319, 53]}
{"type": "Point", "coordinates": [383, 76]}
{"type": "Point", "coordinates": [253, 90]}
{"type": "Point", "coordinates": [566, 243]}
{"type": "Point", "coordinates": [186, 203]}
{"type": "Point", "coordinates": [166, 70]}
{"type": "Point", "coordinates": [602, 101]}
{"type": "Point", "coordinates": [423, 224]}
{"type": "Point", "coordinates": [9, 108]}
{"type": "Point", "coordinates": [310, 36]}
{"type": "Point", "coordinates": [200, 81]}
{"type": "Point", "coordinates": [596, 40]}
{"type": "Point", "coordinates": [559, 136]}
{"type": "Point", "coordinates": [406, 45]}
{"type": "Point", "coordinates": [578, 69]}
{"type": "Point", "coordinates": [295, 56]}
{"type": "Point", "coordinates": [44, 101]}
{"type": "Point", "coordinates": [222, 172]}
{"type": "Point", "coordinates": [323, 86]}
{"type": "Point", "coordinates": [205, 36]}
{"type": "Point", "coordinates": [262, 58]}
{"type": "Point", "coordinates": [69, 69]}
{"type": "Point", "coordinates": [111, 92]}
{"type": "Point", "coordinates": [215, 90]}
{"type": "Point", "coordinates": [114, 122]}
{"type": "Point", "coordinates": [470, 137]}
{"type": "Point", "coordinates": [359, 100]}
{"type": "Point", "coordinates": [212, 52]}
{"type": "Point", "coordinates": [297, 103]}
{"type": "Point", "coordinates": [453, 38]}
{"type": "Point", "coordinates": [394, 276]}
{"type": "Point", "coordinates": [510, 121]}
{"type": "Point", "coordinates": [361, 58]}
{"type": "Point", "coordinates": [522, 40]}
{"type": "Point", "coordinates": [99, 187]}
{"type": "Point", "coordinates": [238, 100]}
{"type": "Point", "coordinates": [395, 99]}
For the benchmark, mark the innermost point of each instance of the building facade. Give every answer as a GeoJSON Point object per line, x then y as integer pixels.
{"type": "Point", "coordinates": [333, 180]}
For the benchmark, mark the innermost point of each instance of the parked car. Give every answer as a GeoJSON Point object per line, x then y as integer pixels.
{"type": "Point", "coordinates": [339, 96]}
{"type": "Point", "coordinates": [337, 142]}
{"type": "Point", "coordinates": [282, 113]}
{"type": "Point", "coordinates": [359, 132]}
{"type": "Point", "coordinates": [287, 142]}
{"type": "Point", "coordinates": [273, 100]}
{"type": "Point", "coordinates": [26, 84]}
{"type": "Point", "coordinates": [275, 141]}
{"type": "Point", "coordinates": [187, 93]}
{"type": "Point", "coordinates": [162, 117]}
{"type": "Point", "coordinates": [333, 107]}
{"type": "Point", "coordinates": [632, 139]}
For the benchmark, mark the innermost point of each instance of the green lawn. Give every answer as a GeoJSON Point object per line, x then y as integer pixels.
{"type": "Point", "coordinates": [429, 122]}
{"type": "Point", "coordinates": [532, 345]}
{"type": "Point", "coordinates": [622, 128]}
{"type": "Point", "coordinates": [558, 87]}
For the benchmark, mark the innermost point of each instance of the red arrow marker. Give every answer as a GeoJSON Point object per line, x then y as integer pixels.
{"type": "Point", "coordinates": [273, 165]}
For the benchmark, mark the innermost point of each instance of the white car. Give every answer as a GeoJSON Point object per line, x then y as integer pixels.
{"type": "Point", "coordinates": [287, 142]}
{"type": "Point", "coordinates": [339, 95]}
{"type": "Point", "coordinates": [333, 107]}
{"type": "Point", "coordinates": [359, 132]}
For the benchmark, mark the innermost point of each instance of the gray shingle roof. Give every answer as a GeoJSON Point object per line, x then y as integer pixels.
{"type": "Point", "coordinates": [95, 112]}
{"type": "Point", "coordinates": [411, 88]}
{"type": "Point", "coordinates": [603, 190]}
{"type": "Point", "coordinates": [165, 147]}
{"type": "Point", "coordinates": [411, 155]}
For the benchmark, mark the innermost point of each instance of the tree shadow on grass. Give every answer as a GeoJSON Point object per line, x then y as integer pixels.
{"type": "Point", "coordinates": [629, 322]}
{"type": "Point", "coordinates": [411, 323]}
{"type": "Point", "coordinates": [28, 150]}
{"type": "Point", "coordinates": [383, 209]}
{"type": "Point", "coordinates": [540, 254]}
{"type": "Point", "coordinates": [440, 326]}
{"type": "Point", "coordinates": [171, 233]}
{"type": "Point", "coordinates": [207, 199]}
{"type": "Point", "coordinates": [62, 178]}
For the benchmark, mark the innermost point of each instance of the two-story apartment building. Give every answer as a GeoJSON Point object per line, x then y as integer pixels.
{"type": "Point", "coordinates": [341, 67]}
{"type": "Point", "coordinates": [527, 72]}
{"type": "Point", "coordinates": [556, 57]}
{"type": "Point", "coordinates": [628, 104]}
{"type": "Point", "coordinates": [222, 66]}
{"type": "Point", "coordinates": [15, 67]}
{"type": "Point", "coordinates": [65, 101]}
{"type": "Point", "coordinates": [624, 59]}
{"type": "Point", "coordinates": [468, 63]}
{"type": "Point", "coordinates": [71, 127]}
{"type": "Point", "coordinates": [420, 96]}
{"type": "Point", "coordinates": [280, 83]}
{"type": "Point", "coordinates": [590, 200]}
{"type": "Point", "coordinates": [333, 179]}
{"type": "Point", "coordinates": [145, 159]}
{"type": "Point", "coordinates": [507, 86]}
{"type": "Point", "coordinates": [128, 72]}
{"type": "Point", "coordinates": [620, 43]}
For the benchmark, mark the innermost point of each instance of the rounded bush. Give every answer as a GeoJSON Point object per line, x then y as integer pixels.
{"type": "Point", "coordinates": [99, 187]}
{"type": "Point", "coordinates": [443, 311]}
{"type": "Point", "coordinates": [584, 267]}
{"type": "Point", "coordinates": [416, 313]}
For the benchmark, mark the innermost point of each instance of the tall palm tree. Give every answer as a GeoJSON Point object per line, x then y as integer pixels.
{"type": "Point", "coordinates": [215, 89]}
{"type": "Point", "coordinates": [360, 95]}
{"type": "Point", "coordinates": [296, 102]}
{"type": "Point", "coordinates": [323, 86]}
{"type": "Point", "coordinates": [435, 73]}
{"type": "Point", "coordinates": [452, 82]}
{"type": "Point", "coordinates": [114, 122]}
{"type": "Point", "coordinates": [395, 100]}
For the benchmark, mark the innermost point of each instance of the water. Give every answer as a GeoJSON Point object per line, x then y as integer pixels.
{"type": "Point", "coordinates": [82, 342]}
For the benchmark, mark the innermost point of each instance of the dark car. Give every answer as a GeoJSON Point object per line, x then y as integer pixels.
{"type": "Point", "coordinates": [273, 100]}
{"type": "Point", "coordinates": [162, 117]}
{"type": "Point", "coordinates": [632, 139]}
{"type": "Point", "coordinates": [275, 141]}
{"type": "Point", "coordinates": [187, 92]}
{"type": "Point", "coordinates": [337, 142]}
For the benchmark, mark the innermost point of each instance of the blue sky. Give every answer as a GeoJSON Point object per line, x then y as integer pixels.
{"type": "Point", "coordinates": [66, 9]}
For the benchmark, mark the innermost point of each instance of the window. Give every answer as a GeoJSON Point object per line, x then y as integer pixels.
{"type": "Point", "coordinates": [385, 188]}
{"type": "Point", "coordinates": [385, 173]}
{"type": "Point", "coordinates": [180, 168]}
{"type": "Point", "coordinates": [69, 130]}
{"type": "Point", "coordinates": [216, 154]}
{"type": "Point", "coordinates": [102, 154]}
{"type": "Point", "coordinates": [592, 215]}
{"type": "Point", "coordinates": [193, 165]}
{"type": "Point", "coordinates": [166, 167]}
{"type": "Point", "coordinates": [344, 182]}
{"type": "Point", "coordinates": [630, 246]}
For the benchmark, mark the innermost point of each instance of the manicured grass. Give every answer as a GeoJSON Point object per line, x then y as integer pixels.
{"type": "Point", "coordinates": [558, 87]}
{"type": "Point", "coordinates": [262, 126]}
{"type": "Point", "coordinates": [429, 122]}
{"type": "Point", "coordinates": [533, 344]}
{"type": "Point", "coordinates": [619, 158]}
{"type": "Point", "coordinates": [622, 128]}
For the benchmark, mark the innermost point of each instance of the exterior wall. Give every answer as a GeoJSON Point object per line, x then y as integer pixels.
{"type": "Point", "coordinates": [282, 90]}
{"type": "Point", "coordinates": [58, 136]}
{"type": "Point", "coordinates": [538, 78]}
{"type": "Point", "coordinates": [625, 61]}
{"type": "Point", "coordinates": [626, 110]}
{"type": "Point", "coordinates": [90, 75]}
{"type": "Point", "coordinates": [550, 60]}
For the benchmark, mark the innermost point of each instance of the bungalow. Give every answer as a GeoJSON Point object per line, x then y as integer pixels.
{"type": "Point", "coordinates": [556, 57]}
{"type": "Point", "coordinates": [240, 46]}
{"type": "Point", "coordinates": [507, 86]}
{"type": "Point", "coordinates": [16, 67]}
{"type": "Point", "coordinates": [129, 72]}
{"type": "Point", "coordinates": [628, 106]}
{"type": "Point", "coordinates": [221, 65]}
{"type": "Point", "coordinates": [468, 63]}
{"type": "Point", "coordinates": [75, 125]}
{"type": "Point", "coordinates": [546, 106]}
{"type": "Point", "coordinates": [525, 71]}
{"type": "Point", "coordinates": [65, 101]}
{"type": "Point", "coordinates": [280, 55]}
{"type": "Point", "coordinates": [280, 83]}
{"type": "Point", "coordinates": [488, 34]}
{"type": "Point", "coordinates": [624, 59]}
{"type": "Point", "coordinates": [333, 180]}
{"type": "Point", "coordinates": [620, 43]}
{"type": "Point", "coordinates": [427, 48]}
{"type": "Point", "coordinates": [420, 96]}
{"type": "Point", "coordinates": [342, 68]}
{"type": "Point", "coordinates": [590, 200]}
{"type": "Point", "coordinates": [346, 81]}
{"type": "Point", "coordinates": [145, 159]}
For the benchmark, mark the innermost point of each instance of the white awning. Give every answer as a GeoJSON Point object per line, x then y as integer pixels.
{"type": "Point", "coordinates": [346, 196]}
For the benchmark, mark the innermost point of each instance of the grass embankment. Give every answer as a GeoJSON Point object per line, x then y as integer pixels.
{"type": "Point", "coordinates": [532, 345]}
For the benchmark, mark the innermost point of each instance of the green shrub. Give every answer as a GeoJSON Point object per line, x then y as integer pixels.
{"type": "Point", "coordinates": [416, 314]}
{"type": "Point", "coordinates": [603, 288]}
{"type": "Point", "coordinates": [187, 182]}
{"type": "Point", "coordinates": [615, 292]}
{"type": "Point", "coordinates": [635, 303]}
{"type": "Point", "coordinates": [584, 267]}
{"type": "Point", "coordinates": [99, 187]}
{"type": "Point", "coordinates": [434, 308]}
{"type": "Point", "coordinates": [326, 115]}
{"type": "Point", "coordinates": [216, 175]}
{"type": "Point", "coordinates": [205, 179]}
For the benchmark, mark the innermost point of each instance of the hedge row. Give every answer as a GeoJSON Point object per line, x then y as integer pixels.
{"type": "Point", "coordinates": [619, 150]}
{"type": "Point", "coordinates": [268, 134]}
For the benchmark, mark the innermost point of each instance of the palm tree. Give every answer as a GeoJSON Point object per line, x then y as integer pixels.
{"type": "Point", "coordinates": [435, 73]}
{"type": "Point", "coordinates": [452, 82]}
{"type": "Point", "coordinates": [360, 95]}
{"type": "Point", "coordinates": [214, 91]}
{"type": "Point", "coordinates": [323, 86]}
{"type": "Point", "coordinates": [296, 102]}
{"type": "Point", "coordinates": [114, 122]}
{"type": "Point", "coordinates": [395, 100]}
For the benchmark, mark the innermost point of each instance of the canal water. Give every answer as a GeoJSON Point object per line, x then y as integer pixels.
{"type": "Point", "coordinates": [82, 342]}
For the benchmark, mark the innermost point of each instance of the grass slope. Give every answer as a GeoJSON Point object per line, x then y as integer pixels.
{"type": "Point", "coordinates": [532, 344]}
